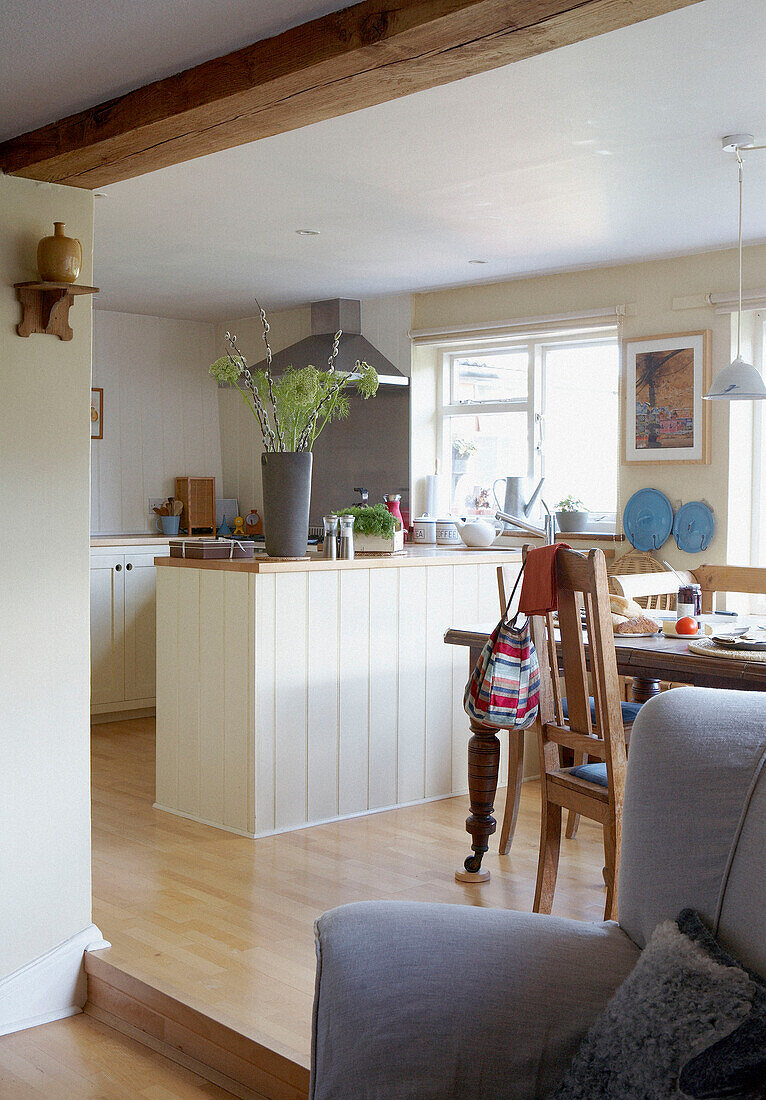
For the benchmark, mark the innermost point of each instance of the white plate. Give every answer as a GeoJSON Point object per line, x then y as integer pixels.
{"type": "Point", "coordinates": [646, 634]}
{"type": "Point", "coordinates": [702, 633]}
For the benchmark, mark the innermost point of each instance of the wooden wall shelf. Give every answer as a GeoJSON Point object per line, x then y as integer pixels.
{"type": "Point", "coordinates": [46, 307]}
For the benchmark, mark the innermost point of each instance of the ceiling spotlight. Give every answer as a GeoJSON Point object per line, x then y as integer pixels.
{"type": "Point", "coordinates": [478, 261]}
{"type": "Point", "coordinates": [307, 232]}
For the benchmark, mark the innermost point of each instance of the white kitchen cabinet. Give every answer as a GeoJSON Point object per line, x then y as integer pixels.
{"type": "Point", "coordinates": [107, 618]}
{"type": "Point", "coordinates": [122, 627]}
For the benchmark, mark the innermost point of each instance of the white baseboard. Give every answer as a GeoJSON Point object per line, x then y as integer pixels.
{"type": "Point", "coordinates": [48, 988]}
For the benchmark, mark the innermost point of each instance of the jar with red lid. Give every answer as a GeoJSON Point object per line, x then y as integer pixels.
{"type": "Point", "coordinates": [689, 601]}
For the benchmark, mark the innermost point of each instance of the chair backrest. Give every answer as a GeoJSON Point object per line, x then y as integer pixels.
{"type": "Point", "coordinates": [658, 589]}
{"type": "Point", "coordinates": [694, 825]}
{"type": "Point", "coordinates": [582, 584]}
{"type": "Point", "coordinates": [728, 578]}
{"type": "Point", "coordinates": [506, 579]}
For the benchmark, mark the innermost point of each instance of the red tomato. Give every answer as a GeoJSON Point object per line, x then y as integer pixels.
{"type": "Point", "coordinates": [687, 625]}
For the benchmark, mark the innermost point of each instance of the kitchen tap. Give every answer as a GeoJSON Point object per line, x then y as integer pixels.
{"type": "Point", "coordinates": [548, 532]}
{"type": "Point", "coordinates": [364, 493]}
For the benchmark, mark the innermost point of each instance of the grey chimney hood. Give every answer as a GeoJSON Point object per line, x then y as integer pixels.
{"type": "Point", "coordinates": [326, 319]}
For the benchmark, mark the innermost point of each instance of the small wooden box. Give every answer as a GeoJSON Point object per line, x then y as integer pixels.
{"type": "Point", "coordinates": [198, 497]}
{"type": "Point", "coordinates": [209, 549]}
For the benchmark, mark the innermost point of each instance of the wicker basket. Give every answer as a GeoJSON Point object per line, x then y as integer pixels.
{"type": "Point", "coordinates": [641, 561]}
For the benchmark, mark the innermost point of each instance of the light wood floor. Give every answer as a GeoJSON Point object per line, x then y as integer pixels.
{"type": "Point", "coordinates": [80, 1059]}
{"type": "Point", "coordinates": [226, 922]}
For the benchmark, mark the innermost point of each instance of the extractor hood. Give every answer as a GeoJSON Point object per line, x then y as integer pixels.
{"type": "Point", "coordinates": [326, 319]}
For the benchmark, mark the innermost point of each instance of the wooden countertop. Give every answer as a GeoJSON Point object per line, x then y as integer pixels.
{"type": "Point", "coordinates": [412, 556]}
{"type": "Point", "coordinates": [134, 540]}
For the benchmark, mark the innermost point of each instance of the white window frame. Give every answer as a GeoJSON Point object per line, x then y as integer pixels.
{"type": "Point", "coordinates": [450, 408]}
{"type": "Point", "coordinates": [533, 404]}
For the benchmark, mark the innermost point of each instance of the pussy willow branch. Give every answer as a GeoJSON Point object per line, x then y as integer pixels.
{"type": "Point", "coordinates": [267, 372]}
{"type": "Point", "coordinates": [308, 432]}
{"type": "Point", "coordinates": [269, 439]}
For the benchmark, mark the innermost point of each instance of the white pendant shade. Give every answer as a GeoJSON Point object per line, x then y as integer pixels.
{"type": "Point", "coordinates": [740, 381]}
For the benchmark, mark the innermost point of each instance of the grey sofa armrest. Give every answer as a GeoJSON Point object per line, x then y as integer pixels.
{"type": "Point", "coordinates": [437, 1001]}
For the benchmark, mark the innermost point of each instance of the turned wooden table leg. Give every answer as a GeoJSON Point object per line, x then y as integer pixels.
{"type": "Point", "coordinates": [483, 764]}
{"type": "Point", "coordinates": [642, 690]}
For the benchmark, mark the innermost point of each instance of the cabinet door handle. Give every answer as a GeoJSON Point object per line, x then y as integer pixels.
{"type": "Point", "coordinates": [117, 568]}
{"type": "Point", "coordinates": [129, 565]}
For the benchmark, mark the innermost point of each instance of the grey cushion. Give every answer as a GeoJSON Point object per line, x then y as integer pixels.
{"type": "Point", "coordinates": [694, 757]}
{"type": "Point", "coordinates": [681, 999]}
{"type": "Point", "coordinates": [448, 1001]}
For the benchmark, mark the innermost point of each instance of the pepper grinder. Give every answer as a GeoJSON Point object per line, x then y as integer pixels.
{"type": "Point", "coordinates": [347, 537]}
{"type": "Point", "coordinates": [330, 536]}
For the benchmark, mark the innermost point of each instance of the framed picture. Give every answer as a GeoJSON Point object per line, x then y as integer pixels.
{"type": "Point", "coordinates": [96, 413]}
{"type": "Point", "coordinates": [663, 379]}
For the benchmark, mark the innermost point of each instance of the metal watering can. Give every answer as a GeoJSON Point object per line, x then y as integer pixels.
{"type": "Point", "coordinates": [520, 496]}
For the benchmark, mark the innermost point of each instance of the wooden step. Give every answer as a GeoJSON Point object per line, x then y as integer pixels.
{"type": "Point", "coordinates": [238, 1063]}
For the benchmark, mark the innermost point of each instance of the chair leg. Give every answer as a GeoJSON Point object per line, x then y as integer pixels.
{"type": "Point", "coordinates": [513, 790]}
{"type": "Point", "coordinates": [573, 819]}
{"type": "Point", "coordinates": [611, 869]}
{"type": "Point", "coordinates": [548, 863]}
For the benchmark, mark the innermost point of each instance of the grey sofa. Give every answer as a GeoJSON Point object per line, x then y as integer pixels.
{"type": "Point", "coordinates": [453, 1002]}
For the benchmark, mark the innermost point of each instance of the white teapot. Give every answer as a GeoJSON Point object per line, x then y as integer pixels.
{"type": "Point", "coordinates": [479, 532]}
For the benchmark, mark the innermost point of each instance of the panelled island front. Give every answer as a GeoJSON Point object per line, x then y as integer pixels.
{"type": "Point", "coordinates": [294, 693]}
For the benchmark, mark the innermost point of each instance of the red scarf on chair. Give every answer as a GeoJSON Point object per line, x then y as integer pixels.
{"type": "Point", "coordinates": [539, 589]}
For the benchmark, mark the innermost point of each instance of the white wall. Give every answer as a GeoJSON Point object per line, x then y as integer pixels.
{"type": "Point", "coordinates": [385, 323]}
{"type": "Point", "coordinates": [160, 414]}
{"type": "Point", "coordinates": [651, 288]}
{"type": "Point", "coordinates": [44, 639]}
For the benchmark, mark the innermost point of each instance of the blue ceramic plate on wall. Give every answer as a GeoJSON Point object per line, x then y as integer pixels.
{"type": "Point", "coordinates": [693, 527]}
{"type": "Point", "coordinates": [648, 519]}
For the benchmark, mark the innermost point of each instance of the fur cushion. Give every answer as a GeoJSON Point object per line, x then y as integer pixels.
{"type": "Point", "coordinates": [683, 1000]}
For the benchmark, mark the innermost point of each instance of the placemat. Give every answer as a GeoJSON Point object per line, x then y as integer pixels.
{"type": "Point", "coordinates": [706, 647]}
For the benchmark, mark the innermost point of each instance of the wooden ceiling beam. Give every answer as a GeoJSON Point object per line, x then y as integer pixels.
{"type": "Point", "coordinates": [372, 52]}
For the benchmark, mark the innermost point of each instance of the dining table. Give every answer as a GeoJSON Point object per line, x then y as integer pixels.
{"type": "Point", "coordinates": [648, 661]}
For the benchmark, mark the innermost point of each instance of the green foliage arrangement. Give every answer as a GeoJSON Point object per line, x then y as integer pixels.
{"type": "Point", "coordinates": [570, 504]}
{"type": "Point", "coordinates": [292, 410]}
{"type": "Point", "coordinates": [375, 520]}
{"type": "Point", "coordinates": [464, 448]}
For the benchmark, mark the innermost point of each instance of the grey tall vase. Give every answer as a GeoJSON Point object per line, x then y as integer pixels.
{"type": "Point", "coordinates": [286, 477]}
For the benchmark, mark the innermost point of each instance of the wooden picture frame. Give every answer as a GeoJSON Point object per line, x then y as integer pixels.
{"type": "Point", "coordinates": [96, 412]}
{"type": "Point", "coordinates": [664, 418]}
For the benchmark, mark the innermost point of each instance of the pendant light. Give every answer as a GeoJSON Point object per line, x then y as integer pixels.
{"type": "Point", "coordinates": [740, 381]}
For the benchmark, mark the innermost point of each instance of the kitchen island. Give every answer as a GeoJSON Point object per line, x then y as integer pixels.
{"type": "Point", "coordinates": [291, 693]}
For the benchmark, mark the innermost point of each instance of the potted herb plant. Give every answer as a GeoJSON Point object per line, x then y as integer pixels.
{"type": "Point", "coordinates": [571, 515]}
{"type": "Point", "coordinates": [375, 529]}
{"type": "Point", "coordinates": [290, 412]}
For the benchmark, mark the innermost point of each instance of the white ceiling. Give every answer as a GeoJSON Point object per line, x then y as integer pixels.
{"type": "Point", "coordinates": [603, 152]}
{"type": "Point", "coordinates": [60, 58]}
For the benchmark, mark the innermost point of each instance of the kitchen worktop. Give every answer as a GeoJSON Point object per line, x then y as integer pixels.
{"type": "Point", "coordinates": [314, 562]}
{"type": "Point", "coordinates": [134, 540]}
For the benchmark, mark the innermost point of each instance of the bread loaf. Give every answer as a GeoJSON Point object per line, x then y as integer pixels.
{"type": "Point", "coordinates": [621, 605]}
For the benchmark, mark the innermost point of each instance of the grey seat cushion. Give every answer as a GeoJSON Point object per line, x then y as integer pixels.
{"type": "Point", "coordinates": [436, 1001]}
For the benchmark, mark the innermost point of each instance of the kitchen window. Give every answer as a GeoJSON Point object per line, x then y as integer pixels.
{"type": "Point", "coordinates": [532, 407]}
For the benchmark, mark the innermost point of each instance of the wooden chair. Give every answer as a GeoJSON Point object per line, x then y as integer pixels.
{"type": "Point", "coordinates": [506, 578]}
{"type": "Point", "coordinates": [728, 578]}
{"type": "Point", "coordinates": [582, 581]}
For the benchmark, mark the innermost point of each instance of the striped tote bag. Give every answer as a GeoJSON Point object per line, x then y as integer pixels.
{"type": "Point", "coordinates": [504, 688]}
